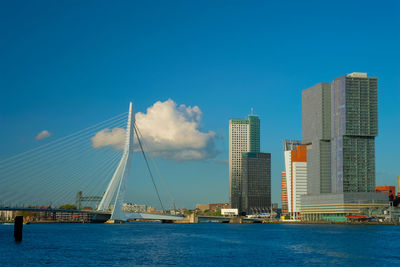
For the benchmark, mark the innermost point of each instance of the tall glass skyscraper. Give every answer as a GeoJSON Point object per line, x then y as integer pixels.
{"type": "Point", "coordinates": [256, 183]}
{"type": "Point", "coordinates": [340, 123]}
{"type": "Point", "coordinates": [354, 126]}
{"type": "Point", "coordinates": [244, 136]}
{"type": "Point", "coordinates": [316, 113]}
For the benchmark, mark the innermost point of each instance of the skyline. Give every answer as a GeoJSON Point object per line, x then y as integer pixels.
{"type": "Point", "coordinates": [70, 68]}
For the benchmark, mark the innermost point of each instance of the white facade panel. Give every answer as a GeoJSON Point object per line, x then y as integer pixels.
{"type": "Point", "coordinates": [288, 169]}
{"type": "Point", "coordinates": [238, 144]}
{"type": "Point", "coordinates": [299, 183]}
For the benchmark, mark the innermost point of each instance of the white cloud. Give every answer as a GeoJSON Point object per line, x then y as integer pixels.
{"type": "Point", "coordinates": [168, 131]}
{"type": "Point", "coordinates": [42, 135]}
{"type": "Point", "coordinates": [108, 137]}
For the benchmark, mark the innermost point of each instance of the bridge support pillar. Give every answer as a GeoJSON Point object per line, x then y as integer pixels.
{"type": "Point", "coordinates": [18, 223]}
{"type": "Point", "coordinates": [193, 218]}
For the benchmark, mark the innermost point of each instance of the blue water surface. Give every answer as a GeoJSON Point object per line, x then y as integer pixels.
{"type": "Point", "coordinates": [204, 244]}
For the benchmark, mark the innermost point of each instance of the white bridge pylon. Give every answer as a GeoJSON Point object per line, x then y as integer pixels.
{"type": "Point", "coordinates": [117, 185]}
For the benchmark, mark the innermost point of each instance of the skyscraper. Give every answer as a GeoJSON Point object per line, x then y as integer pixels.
{"type": "Point", "coordinates": [256, 183]}
{"type": "Point", "coordinates": [244, 136]}
{"type": "Point", "coordinates": [296, 174]}
{"type": "Point", "coordinates": [284, 199]}
{"type": "Point", "coordinates": [340, 123]}
{"type": "Point", "coordinates": [354, 125]}
{"type": "Point", "coordinates": [398, 186]}
{"type": "Point", "coordinates": [316, 113]}
{"type": "Point", "coordinates": [340, 120]}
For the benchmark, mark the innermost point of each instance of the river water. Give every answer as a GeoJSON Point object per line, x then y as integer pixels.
{"type": "Point", "coordinates": [204, 244]}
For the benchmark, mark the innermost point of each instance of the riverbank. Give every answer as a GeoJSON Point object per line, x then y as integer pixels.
{"type": "Point", "coordinates": [237, 221]}
{"type": "Point", "coordinates": [326, 222]}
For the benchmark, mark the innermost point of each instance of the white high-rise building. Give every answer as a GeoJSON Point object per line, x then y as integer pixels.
{"type": "Point", "coordinates": [299, 183]}
{"type": "Point", "coordinates": [244, 136]}
{"type": "Point", "coordinates": [296, 174]}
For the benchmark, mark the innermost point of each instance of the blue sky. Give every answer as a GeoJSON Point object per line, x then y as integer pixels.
{"type": "Point", "coordinates": [65, 65]}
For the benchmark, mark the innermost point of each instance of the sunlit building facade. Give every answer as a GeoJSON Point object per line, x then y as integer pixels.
{"type": "Point", "coordinates": [316, 115]}
{"type": "Point", "coordinates": [284, 199]}
{"type": "Point", "coordinates": [340, 123]}
{"type": "Point", "coordinates": [296, 174]}
{"type": "Point", "coordinates": [244, 136]}
{"type": "Point", "coordinates": [354, 126]}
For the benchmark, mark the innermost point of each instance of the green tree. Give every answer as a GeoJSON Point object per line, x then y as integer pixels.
{"type": "Point", "coordinates": [68, 207]}
{"type": "Point", "coordinates": [208, 212]}
{"type": "Point", "coordinates": [217, 213]}
{"type": "Point", "coordinates": [188, 212]}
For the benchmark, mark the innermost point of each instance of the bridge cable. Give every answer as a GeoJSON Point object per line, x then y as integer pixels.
{"type": "Point", "coordinates": [36, 176]}
{"type": "Point", "coordinates": [159, 172]}
{"type": "Point", "coordinates": [148, 166]}
{"type": "Point", "coordinates": [63, 138]}
{"type": "Point", "coordinates": [43, 159]}
{"type": "Point", "coordinates": [53, 146]}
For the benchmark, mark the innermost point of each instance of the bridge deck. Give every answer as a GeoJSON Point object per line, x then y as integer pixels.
{"type": "Point", "coordinates": [103, 215]}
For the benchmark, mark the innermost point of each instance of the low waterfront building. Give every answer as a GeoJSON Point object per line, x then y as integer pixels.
{"type": "Point", "coordinates": [212, 207]}
{"type": "Point", "coordinates": [150, 209]}
{"type": "Point", "coordinates": [229, 212]}
{"type": "Point", "coordinates": [202, 207]}
{"type": "Point", "coordinates": [336, 206]}
{"type": "Point", "coordinates": [7, 215]}
{"type": "Point", "coordinates": [69, 216]}
{"type": "Point", "coordinates": [131, 207]}
{"type": "Point", "coordinates": [218, 206]}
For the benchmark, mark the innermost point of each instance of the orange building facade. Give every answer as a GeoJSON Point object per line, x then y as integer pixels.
{"type": "Point", "coordinates": [296, 176]}
{"type": "Point", "coordinates": [284, 194]}
{"type": "Point", "coordinates": [299, 155]}
{"type": "Point", "coordinates": [390, 190]}
{"type": "Point", "coordinates": [218, 206]}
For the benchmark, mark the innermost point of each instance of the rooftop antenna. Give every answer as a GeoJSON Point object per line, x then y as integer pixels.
{"type": "Point", "coordinates": [251, 111]}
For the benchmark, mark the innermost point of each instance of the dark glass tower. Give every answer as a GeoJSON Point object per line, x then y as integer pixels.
{"type": "Point", "coordinates": [256, 183]}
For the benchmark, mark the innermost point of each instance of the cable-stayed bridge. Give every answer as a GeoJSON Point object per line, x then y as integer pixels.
{"type": "Point", "coordinates": [93, 159]}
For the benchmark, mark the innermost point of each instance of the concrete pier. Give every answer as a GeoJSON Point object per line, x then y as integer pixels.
{"type": "Point", "coordinates": [18, 224]}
